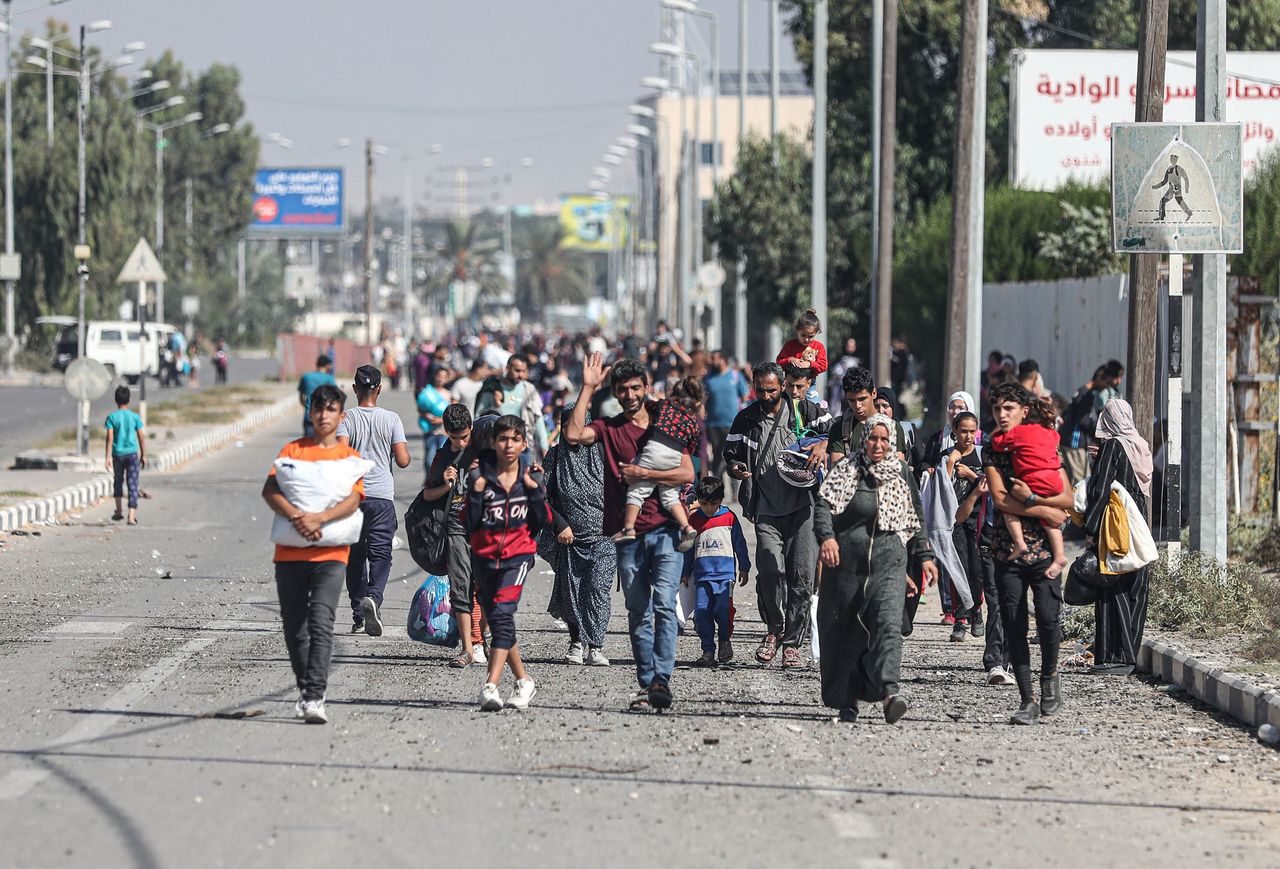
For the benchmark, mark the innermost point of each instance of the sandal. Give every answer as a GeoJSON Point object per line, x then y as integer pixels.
{"type": "Point", "coordinates": [640, 702]}
{"type": "Point", "coordinates": [461, 662]}
{"type": "Point", "coordinates": [767, 650]}
{"type": "Point", "coordinates": [791, 659]}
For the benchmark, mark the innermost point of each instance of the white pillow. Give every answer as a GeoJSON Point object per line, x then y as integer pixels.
{"type": "Point", "coordinates": [316, 486]}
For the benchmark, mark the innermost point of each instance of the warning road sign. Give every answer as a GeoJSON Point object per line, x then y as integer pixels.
{"type": "Point", "coordinates": [1177, 188]}
{"type": "Point", "coordinates": [142, 266]}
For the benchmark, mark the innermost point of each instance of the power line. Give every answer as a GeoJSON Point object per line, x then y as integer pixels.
{"type": "Point", "coordinates": [395, 109]}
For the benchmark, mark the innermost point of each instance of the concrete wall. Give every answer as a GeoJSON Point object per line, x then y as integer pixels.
{"type": "Point", "coordinates": [1070, 327]}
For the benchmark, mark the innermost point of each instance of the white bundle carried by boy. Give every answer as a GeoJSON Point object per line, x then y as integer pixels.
{"type": "Point", "coordinates": [316, 486]}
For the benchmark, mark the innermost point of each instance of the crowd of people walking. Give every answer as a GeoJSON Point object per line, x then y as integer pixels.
{"type": "Point", "coordinates": [642, 463]}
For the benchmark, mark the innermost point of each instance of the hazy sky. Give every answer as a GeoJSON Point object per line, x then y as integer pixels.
{"type": "Point", "coordinates": [504, 79]}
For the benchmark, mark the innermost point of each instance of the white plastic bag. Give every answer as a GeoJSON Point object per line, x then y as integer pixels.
{"type": "Point", "coordinates": [686, 599]}
{"type": "Point", "coordinates": [316, 486]}
{"type": "Point", "coordinates": [813, 628]}
{"type": "Point", "coordinates": [1142, 546]}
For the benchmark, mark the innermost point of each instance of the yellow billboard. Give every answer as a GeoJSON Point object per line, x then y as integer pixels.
{"type": "Point", "coordinates": [595, 224]}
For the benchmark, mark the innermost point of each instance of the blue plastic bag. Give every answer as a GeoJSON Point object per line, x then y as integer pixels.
{"type": "Point", "coordinates": [431, 617]}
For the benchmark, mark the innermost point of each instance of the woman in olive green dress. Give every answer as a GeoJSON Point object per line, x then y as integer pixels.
{"type": "Point", "coordinates": [868, 520]}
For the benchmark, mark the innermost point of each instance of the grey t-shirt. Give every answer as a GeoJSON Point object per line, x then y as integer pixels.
{"type": "Point", "coordinates": [372, 432]}
{"type": "Point", "coordinates": [777, 497]}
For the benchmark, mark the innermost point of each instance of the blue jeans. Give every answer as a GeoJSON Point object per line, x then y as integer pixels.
{"type": "Point", "coordinates": [711, 610]}
{"type": "Point", "coordinates": [369, 563]}
{"type": "Point", "coordinates": [431, 445]}
{"type": "Point", "coordinates": [650, 568]}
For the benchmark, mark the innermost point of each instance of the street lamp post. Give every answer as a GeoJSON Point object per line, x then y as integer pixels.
{"type": "Point", "coordinates": [160, 130]}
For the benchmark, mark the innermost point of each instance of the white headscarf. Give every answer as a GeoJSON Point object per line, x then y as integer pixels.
{"type": "Point", "coordinates": [948, 437]}
{"type": "Point", "coordinates": [1116, 423]}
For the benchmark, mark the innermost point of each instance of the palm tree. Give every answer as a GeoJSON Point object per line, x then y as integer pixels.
{"type": "Point", "coordinates": [469, 258]}
{"type": "Point", "coordinates": [548, 273]}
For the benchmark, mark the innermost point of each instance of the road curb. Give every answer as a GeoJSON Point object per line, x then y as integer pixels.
{"type": "Point", "coordinates": [1222, 690]}
{"type": "Point", "coordinates": [93, 490]}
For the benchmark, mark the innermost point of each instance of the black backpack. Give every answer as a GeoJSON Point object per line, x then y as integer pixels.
{"type": "Point", "coordinates": [426, 526]}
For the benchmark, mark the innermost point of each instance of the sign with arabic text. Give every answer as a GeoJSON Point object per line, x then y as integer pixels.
{"type": "Point", "coordinates": [1063, 103]}
{"type": "Point", "coordinates": [297, 199]}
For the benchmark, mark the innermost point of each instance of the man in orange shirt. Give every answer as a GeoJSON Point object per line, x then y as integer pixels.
{"type": "Point", "coordinates": [309, 579]}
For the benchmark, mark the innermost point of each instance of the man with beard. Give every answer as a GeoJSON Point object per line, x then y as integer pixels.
{"type": "Point", "coordinates": [786, 548]}
{"type": "Point", "coordinates": [649, 566]}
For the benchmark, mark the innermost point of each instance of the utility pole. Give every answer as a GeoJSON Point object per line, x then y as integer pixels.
{"type": "Point", "coordinates": [9, 331]}
{"type": "Point", "coordinates": [1209, 305]}
{"type": "Point", "coordinates": [160, 146]}
{"type": "Point", "coordinates": [1153, 42]}
{"type": "Point", "coordinates": [964, 325]}
{"type": "Point", "coordinates": [775, 81]}
{"type": "Point", "coordinates": [740, 286]}
{"type": "Point", "coordinates": [877, 76]}
{"type": "Point", "coordinates": [818, 257]}
{"type": "Point", "coordinates": [879, 363]}
{"type": "Point", "coordinates": [82, 270]}
{"type": "Point", "coordinates": [190, 216]}
{"type": "Point", "coordinates": [368, 242]}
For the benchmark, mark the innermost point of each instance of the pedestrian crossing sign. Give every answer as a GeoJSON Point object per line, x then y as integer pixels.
{"type": "Point", "coordinates": [1177, 188]}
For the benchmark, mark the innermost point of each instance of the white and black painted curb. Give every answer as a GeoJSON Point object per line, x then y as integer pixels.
{"type": "Point", "coordinates": [93, 490]}
{"type": "Point", "coordinates": [1222, 690]}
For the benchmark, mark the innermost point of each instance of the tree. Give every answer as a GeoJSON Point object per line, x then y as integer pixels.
{"type": "Point", "coordinates": [546, 271]}
{"type": "Point", "coordinates": [120, 184]}
{"type": "Point", "coordinates": [1261, 257]}
{"type": "Point", "coordinates": [762, 217]}
{"type": "Point", "coordinates": [1014, 222]}
{"type": "Point", "coordinates": [468, 257]}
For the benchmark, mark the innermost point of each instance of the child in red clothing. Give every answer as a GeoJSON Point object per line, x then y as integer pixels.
{"type": "Point", "coordinates": [1034, 446]}
{"type": "Point", "coordinates": [673, 433]}
{"type": "Point", "coordinates": [804, 350]}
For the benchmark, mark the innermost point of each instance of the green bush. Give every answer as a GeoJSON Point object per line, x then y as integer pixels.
{"type": "Point", "coordinates": [1198, 593]}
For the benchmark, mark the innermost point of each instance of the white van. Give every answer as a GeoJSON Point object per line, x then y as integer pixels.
{"type": "Point", "coordinates": [114, 343]}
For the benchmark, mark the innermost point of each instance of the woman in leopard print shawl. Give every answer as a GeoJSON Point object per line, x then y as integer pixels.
{"type": "Point", "coordinates": [868, 520]}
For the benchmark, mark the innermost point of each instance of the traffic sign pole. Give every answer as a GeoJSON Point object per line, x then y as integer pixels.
{"type": "Point", "coordinates": [1173, 436]}
{"type": "Point", "coordinates": [1209, 357]}
{"type": "Point", "coordinates": [142, 351]}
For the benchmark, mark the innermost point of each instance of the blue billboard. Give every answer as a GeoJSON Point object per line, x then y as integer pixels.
{"type": "Point", "coordinates": [297, 199]}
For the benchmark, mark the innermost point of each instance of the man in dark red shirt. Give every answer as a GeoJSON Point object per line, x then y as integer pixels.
{"type": "Point", "coordinates": [649, 566]}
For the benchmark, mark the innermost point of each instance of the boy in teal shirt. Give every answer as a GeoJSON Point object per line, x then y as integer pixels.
{"type": "Point", "coordinates": [126, 452]}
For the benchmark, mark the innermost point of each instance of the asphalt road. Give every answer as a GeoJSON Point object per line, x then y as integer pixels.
{"type": "Point", "coordinates": [37, 412]}
{"type": "Point", "coordinates": [126, 655]}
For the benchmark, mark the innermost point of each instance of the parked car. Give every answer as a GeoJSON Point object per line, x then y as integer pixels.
{"type": "Point", "coordinates": [114, 343]}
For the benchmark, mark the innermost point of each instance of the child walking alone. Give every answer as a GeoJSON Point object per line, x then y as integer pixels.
{"type": "Point", "coordinates": [719, 556]}
{"type": "Point", "coordinates": [674, 433]}
{"type": "Point", "coordinates": [126, 453]}
{"type": "Point", "coordinates": [506, 508]}
{"type": "Point", "coordinates": [1036, 462]}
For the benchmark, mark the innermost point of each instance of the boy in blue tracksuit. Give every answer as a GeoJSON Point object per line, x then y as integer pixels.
{"type": "Point", "coordinates": [717, 558]}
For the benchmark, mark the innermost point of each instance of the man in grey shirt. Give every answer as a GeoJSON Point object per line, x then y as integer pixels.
{"type": "Point", "coordinates": [786, 549]}
{"type": "Point", "coordinates": [378, 435]}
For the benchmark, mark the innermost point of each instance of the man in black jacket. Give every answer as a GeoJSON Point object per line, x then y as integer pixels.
{"type": "Point", "coordinates": [786, 549]}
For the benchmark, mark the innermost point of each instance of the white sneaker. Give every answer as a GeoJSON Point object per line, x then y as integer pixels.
{"type": "Point", "coordinates": [478, 656]}
{"type": "Point", "coordinates": [999, 676]}
{"type": "Point", "coordinates": [519, 699]}
{"type": "Point", "coordinates": [574, 656]}
{"type": "Point", "coordinates": [313, 712]}
{"type": "Point", "coordinates": [596, 658]}
{"type": "Point", "coordinates": [300, 708]}
{"type": "Point", "coordinates": [560, 624]}
{"type": "Point", "coordinates": [490, 699]}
